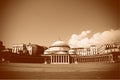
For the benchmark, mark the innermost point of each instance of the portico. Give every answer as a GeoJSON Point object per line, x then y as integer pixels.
{"type": "Point", "coordinates": [58, 53]}
{"type": "Point", "coordinates": [59, 59]}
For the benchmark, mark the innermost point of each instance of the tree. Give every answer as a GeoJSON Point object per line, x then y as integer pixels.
{"type": "Point", "coordinates": [2, 47]}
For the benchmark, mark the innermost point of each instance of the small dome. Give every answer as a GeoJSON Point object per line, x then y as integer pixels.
{"type": "Point", "coordinates": [71, 51]}
{"type": "Point", "coordinates": [59, 43]}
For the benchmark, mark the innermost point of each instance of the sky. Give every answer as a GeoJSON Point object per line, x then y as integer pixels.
{"type": "Point", "coordinates": [98, 39]}
{"type": "Point", "coordinates": [45, 21]}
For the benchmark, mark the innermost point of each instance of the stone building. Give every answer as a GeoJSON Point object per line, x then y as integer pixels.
{"type": "Point", "coordinates": [31, 49]}
{"type": "Point", "coordinates": [112, 49]}
{"type": "Point", "coordinates": [93, 50]}
{"type": "Point", "coordinates": [109, 48]}
{"type": "Point", "coordinates": [58, 52]}
{"type": "Point", "coordinates": [17, 48]}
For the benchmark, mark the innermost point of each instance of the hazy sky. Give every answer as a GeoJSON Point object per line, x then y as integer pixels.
{"type": "Point", "coordinates": [44, 21]}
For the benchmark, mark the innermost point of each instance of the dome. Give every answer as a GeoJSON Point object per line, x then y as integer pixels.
{"type": "Point", "coordinates": [59, 43]}
{"type": "Point", "coordinates": [71, 51]}
{"type": "Point", "coordinates": [58, 47]}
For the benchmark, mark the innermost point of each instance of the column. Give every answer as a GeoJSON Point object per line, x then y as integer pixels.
{"type": "Point", "coordinates": [55, 59]}
{"type": "Point", "coordinates": [111, 57]}
{"type": "Point", "coordinates": [51, 59]}
{"type": "Point", "coordinates": [58, 58]}
{"type": "Point", "coordinates": [63, 58]}
{"type": "Point", "coordinates": [68, 58]}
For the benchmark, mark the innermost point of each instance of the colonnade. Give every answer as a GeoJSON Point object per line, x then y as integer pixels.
{"type": "Point", "coordinates": [59, 59]}
{"type": "Point", "coordinates": [103, 58]}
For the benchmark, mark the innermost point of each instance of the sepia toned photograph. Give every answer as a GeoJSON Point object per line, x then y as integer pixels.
{"type": "Point", "coordinates": [60, 39]}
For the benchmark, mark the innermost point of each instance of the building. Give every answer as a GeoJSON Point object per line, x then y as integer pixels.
{"type": "Point", "coordinates": [112, 49]}
{"type": "Point", "coordinates": [35, 50]}
{"type": "Point", "coordinates": [106, 53]}
{"type": "Point", "coordinates": [109, 48]}
{"type": "Point", "coordinates": [17, 48]}
{"type": "Point", "coordinates": [93, 50]}
{"type": "Point", "coordinates": [58, 53]}
{"type": "Point", "coordinates": [30, 49]}
{"type": "Point", "coordinates": [82, 51]}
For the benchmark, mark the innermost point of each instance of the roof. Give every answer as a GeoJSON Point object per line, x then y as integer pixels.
{"type": "Point", "coordinates": [59, 43]}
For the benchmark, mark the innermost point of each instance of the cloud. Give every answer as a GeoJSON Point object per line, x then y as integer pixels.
{"type": "Point", "coordinates": [99, 38]}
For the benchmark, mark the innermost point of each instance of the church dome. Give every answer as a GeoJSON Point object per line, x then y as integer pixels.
{"type": "Point", "coordinates": [58, 47]}
{"type": "Point", "coordinates": [59, 43]}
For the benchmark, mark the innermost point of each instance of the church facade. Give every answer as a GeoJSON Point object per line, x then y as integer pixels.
{"type": "Point", "coordinates": [58, 52]}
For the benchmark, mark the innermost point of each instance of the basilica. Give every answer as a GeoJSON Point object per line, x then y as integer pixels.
{"type": "Point", "coordinates": [59, 53]}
